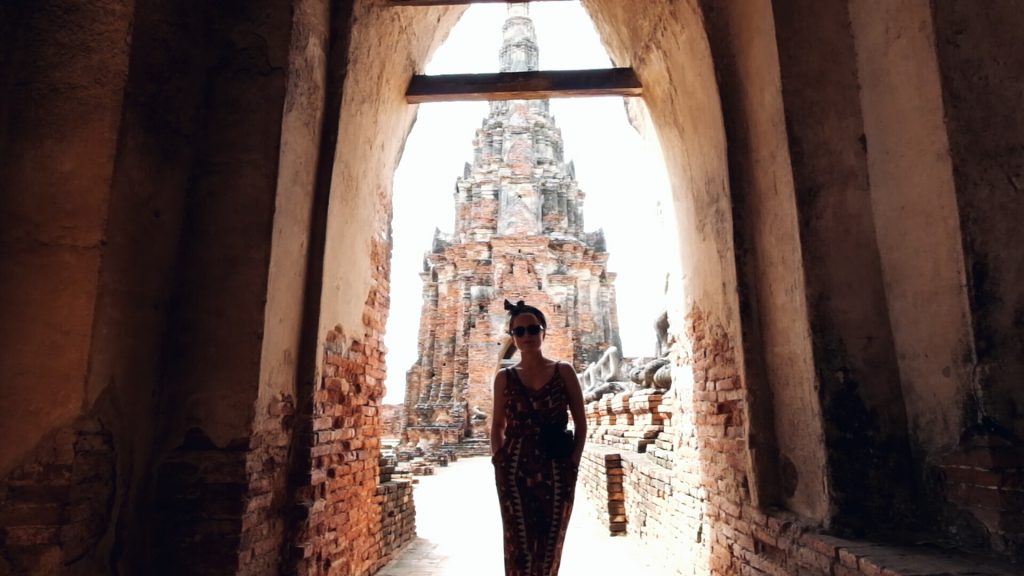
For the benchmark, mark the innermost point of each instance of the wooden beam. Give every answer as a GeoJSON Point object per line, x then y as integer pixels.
{"type": "Point", "coordinates": [523, 85]}
{"type": "Point", "coordinates": [451, 2]}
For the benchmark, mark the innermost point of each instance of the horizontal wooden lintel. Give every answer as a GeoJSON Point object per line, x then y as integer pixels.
{"type": "Point", "coordinates": [524, 85]}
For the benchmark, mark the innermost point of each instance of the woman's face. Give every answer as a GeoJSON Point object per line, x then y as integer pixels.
{"type": "Point", "coordinates": [527, 322]}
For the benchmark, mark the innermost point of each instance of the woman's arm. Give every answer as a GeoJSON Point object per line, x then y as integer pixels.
{"type": "Point", "coordinates": [498, 413]}
{"type": "Point", "coordinates": [579, 417]}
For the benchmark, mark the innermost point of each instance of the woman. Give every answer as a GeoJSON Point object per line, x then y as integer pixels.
{"type": "Point", "coordinates": [535, 460]}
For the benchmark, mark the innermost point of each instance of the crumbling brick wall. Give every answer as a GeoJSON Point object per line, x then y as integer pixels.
{"type": "Point", "coordinates": [394, 499]}
{"type": "Point", "coordinates": [341, 519]}
{"type": "Point", "coordinates": [687, 488]}
{"type": "Point", "coordinates": [264, 515]}
{"type": "Point", "coordinates": [55, 508]}
{"type": "Point", "coordinates": [200, 502]}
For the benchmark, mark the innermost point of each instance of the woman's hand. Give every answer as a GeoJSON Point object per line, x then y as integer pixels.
{"type": "Point", "coordinates": [579, 417]}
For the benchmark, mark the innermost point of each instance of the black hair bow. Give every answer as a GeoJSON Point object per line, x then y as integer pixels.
{"type": "Point", "coordinates": [517, 307]}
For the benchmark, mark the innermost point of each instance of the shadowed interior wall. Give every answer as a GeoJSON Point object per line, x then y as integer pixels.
{"type": "Point", "coordinates": [61, 91]}
{"type": "Point", "coordinates": [61, 107]}
{"type": "Point", "coordinates": [918, 230]}
{"type": "Point", "coordinates": [216, 313]}
{"type": "Point", "coordinates": [861, 399]}
{"type": "Point", "coordinates": [846, 183]}
{"type": "Point", "coordinates": [981, 82]}
{"type": "Point", "coordinates": [915, 213]}
{"type": "Point", "coordinates": [159, 128]}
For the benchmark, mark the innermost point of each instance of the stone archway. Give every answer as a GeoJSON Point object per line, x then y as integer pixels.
{"type": "Point", "coordinates": [685, 116]}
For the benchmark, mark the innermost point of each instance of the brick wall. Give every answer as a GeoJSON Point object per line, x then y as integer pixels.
{"type": "Point", "coordinates": [264, 519]}
{"type": "Point", "coordinates": [600, 481]}
{"type": "Point", "coordinates": [55, 508]}
{"type": "Point", "coordinates": [672, 471]}
{"type": "Point", "coordinates": [221, 510]}
{"type": "Point", "coordinates": [341, 521]}
{"type": "Point", "coordinates": [200, 503]}
{"type": "Point", "coordinates": [397, 520]}
{"type": "Point", "coordinates": [392, 420]}
{"type": "Point", "coordinates": [984, 483]}
{"type": "Point", "coordinates": [394, 499]}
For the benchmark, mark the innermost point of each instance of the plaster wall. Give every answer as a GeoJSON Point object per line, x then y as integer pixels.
{"type": "Point", "coordinates": [667, 45]}
{"type": "Point", "coordinates": [61, 110]}
{"type": "Point", "coordinates": [267, 519]}
{"type": "Point", "coordinates": [293, 204]}
{"type": "Point", "coordinates": [916, 218]}
{"type": "Point", "coordinates": [743, 41]}
{"type": "Point", "coordinates": [340, 425]}
{"type": "Point", "coordinates": [981, 79]}
{"type": "Point", "coordinates": [388, 45]}
{"type": "Point", "coordinates": [216, 329]}
{"type": "Point", "coordinates": [854, 354]}
{"type": "Point", "coordinates": [155, 152]}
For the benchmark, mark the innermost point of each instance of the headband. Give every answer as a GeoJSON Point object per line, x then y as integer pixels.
{"type": "Point", "coordinates": [515, 308]}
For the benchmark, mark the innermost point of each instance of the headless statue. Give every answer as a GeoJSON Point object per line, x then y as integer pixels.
{"type": "Point", "coordinates": [604, 376]}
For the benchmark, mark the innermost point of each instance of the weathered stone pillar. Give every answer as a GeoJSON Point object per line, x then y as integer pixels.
{"type": "Point", "coordinates": [854, 354]}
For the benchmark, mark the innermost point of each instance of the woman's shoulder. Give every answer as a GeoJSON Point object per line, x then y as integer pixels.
{"type": "Point", "coordinates": [563, 367]}
{"type": "Point", "coordinates": [501, 376]}
{"type": "Point", "coordinates": [566, 371]}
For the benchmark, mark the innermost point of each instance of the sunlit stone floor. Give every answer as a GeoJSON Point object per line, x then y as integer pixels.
{"type": "Point", "coordinates": [459, 531]}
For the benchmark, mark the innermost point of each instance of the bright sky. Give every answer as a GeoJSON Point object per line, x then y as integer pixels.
{"type": "Point", "coordinates": [623, 180]}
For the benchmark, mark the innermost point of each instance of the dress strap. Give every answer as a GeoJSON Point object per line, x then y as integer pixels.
{"type": "Point", "coordinates": [558, 371]}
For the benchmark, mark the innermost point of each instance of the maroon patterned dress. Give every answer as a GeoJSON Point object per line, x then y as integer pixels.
{"type": "Point", "coordinates": [535, 491]}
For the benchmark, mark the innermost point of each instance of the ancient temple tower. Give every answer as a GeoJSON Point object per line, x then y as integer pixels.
{"type": "Point", "coordinates": [518, 235]}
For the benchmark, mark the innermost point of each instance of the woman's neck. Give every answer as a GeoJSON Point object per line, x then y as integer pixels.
{"type": "Point", "coordinates": [531, 360]}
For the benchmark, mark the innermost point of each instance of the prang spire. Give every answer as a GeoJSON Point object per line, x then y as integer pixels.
{"type": "Point", "coordinates": [519, 45]}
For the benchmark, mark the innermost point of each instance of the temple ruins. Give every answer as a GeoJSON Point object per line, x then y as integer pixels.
{"type": "Point", "coordinates": [518, 235]}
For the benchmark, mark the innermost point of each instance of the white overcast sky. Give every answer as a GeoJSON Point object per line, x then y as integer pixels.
{"type": "Point", "coordinates": [623, 180]}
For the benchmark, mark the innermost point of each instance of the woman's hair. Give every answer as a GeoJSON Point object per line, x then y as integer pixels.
{"type": "Point", "coordinates": [521, 307]}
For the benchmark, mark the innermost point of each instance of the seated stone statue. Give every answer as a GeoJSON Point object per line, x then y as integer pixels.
{"type": "Point", "coordinates": [607, 369]}
{"type": "Point", "coordinates": [644, 377]}
{"type": "Point", "coordinates": [604, 376]}
{"type": "Point", "coordinates": [588, 376]}
{"type": "Point", "coordinates": [596, 392]}
{"type": "Point", "coordinates": [663, 377]}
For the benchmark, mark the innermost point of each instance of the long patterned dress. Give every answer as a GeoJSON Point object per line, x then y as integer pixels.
{"type": "Point", "coordinates": [535, 491]}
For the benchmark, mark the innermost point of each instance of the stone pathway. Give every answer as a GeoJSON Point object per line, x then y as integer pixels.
{"type": "Point", "coordinates": [459, 531]}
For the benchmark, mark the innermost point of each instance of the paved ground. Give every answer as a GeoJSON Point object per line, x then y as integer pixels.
{"type": "Point", "coordinates": [459, 529]}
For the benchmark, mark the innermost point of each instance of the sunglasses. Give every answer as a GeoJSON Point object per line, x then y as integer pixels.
{"type": "Point", "coordinates": [532, 330]}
